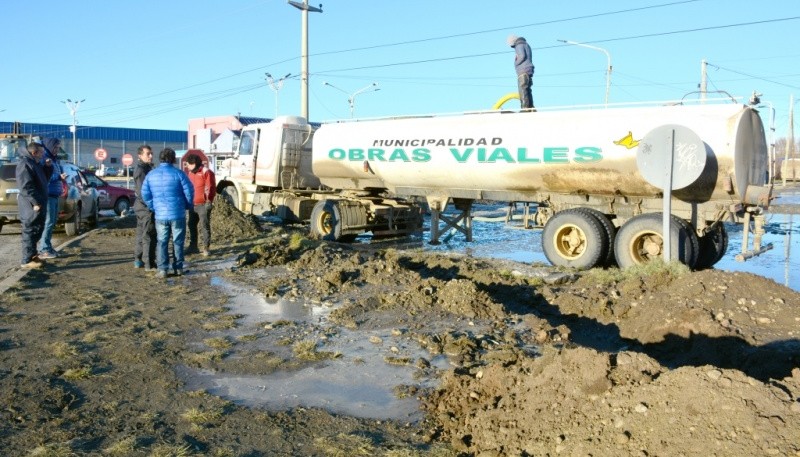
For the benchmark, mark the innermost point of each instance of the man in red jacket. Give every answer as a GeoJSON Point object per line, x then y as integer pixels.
{"type": "Point", "coordinates": [205, 189]}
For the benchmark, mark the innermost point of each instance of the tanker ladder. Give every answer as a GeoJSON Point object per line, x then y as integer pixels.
{"type": "Point", "coordinates": [461, 223]}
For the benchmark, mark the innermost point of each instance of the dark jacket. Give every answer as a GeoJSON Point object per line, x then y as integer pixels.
{"type": "Point", "coordinates": [139, 173]}
{"type": "Point", "coordinates": [54, 185]}
{"type": "Point", "coordinates": [168, 192]}
{"type": "Point", "coordinates": [32, 178]}
{"type": "Point", "coordinates": [523, 58]}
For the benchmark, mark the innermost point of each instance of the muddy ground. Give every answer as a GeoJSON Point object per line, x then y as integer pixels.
{"type": "Point", "coordinates": [656, 361]}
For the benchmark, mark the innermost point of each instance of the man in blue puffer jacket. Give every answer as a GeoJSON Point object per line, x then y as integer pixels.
{"type": "Point", "coordinates": [54, 190]}
{"type": "Point", "coordinates": [169, 193]}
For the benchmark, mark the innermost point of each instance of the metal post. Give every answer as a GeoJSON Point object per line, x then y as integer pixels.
{"type": "Point", "coordinates": [73, 109]}
{"type": "Point", "coordinates": [608, 58]}
{"type": "Point", "coordinates": [703, 80]}
{"type": "Point", "coordinates": [276, 87]}
{"type": "Point", "coordinates": [351, 98]}
{"type": "Point", "coordinates": [304, 52]}
{"type": "Point", "coordinates": [789, 142]}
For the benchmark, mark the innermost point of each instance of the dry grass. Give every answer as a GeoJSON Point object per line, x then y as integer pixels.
{"type": "Point", "coordinates": [654, 268]}
{"type": "Point", "coordinates": [122, 447]}
{"type": "Point", "coordinates": [200, 418]}
{"type": "Point", "coordinates": [344, 446]}
{"type": "Point", "coordinates": [171, 450]}
{"type": "Point", "coordinates": [74, 374]}
{"type": "Point", "coordinates": [220, 342]}
{"type": "Point", "coordinates": [307, 350]}
{"type": "Point", "coordinates": [52, 450]}
{"type": "Point", "coordinates": [64, 350]}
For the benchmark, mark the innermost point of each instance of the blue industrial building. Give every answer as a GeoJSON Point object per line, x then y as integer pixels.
{"type": "Point", "coordinates": [115, 140]}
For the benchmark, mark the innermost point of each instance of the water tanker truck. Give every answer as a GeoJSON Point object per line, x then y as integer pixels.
{"type": "Point", "coordinates": [596, 178]}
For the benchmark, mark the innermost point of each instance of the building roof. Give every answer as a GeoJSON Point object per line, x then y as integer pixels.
{"type": "Point", "coordinates": [86, 132]}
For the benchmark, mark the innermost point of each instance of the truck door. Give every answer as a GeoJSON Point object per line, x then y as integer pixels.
{"type": "Point", "coordinates": [243, 166]}
{"type": "Point", "coordinates": [268, 155]}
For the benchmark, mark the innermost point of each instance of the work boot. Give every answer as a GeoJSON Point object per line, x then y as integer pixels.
{"type": "Point", "coordinates": [32, 264]}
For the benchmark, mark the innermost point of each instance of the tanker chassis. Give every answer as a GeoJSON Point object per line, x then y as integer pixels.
{"type": "Point", "coordinates": [594, 177]}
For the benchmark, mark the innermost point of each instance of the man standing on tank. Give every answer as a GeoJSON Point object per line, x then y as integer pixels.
{"type": "Point", "coordinates": [144, 252]}
{"type": "Point", "coordinates": [169, 193]}
{"type": "Point", "coordinates": [523, 64]}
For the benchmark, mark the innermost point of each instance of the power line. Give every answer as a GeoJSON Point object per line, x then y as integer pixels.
{"type": "Point", "coordinates": [755, 77]}
{"type": "Point", "coordinates": [460, 35]}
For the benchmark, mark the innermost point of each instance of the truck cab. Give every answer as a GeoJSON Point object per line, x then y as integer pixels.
{"type": "Point", "coordinates": [270, 157]}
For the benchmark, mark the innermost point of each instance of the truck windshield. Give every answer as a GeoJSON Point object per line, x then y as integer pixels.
{"type": "Point", "coordinates": [247, 142]}
{"type": "Point", "coordinates": [8, 148]}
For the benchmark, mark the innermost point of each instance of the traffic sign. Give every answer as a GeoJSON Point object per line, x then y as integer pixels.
{"type": "Point", "coordinates": [100, 154]}
{"type": "Point", "coordinates": [127, 160]}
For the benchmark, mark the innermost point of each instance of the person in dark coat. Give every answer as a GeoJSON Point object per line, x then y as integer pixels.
{"type": "Point", "coordinates": [523, 64]}
{"type": "Point", "coordinates": [54, 190]}
{"type": "Point", "coordinates": [32, 177]}
{"type": "Point", "coordinates": [144, 251]}
{"type": "Point", "coordinates": [168, 192]}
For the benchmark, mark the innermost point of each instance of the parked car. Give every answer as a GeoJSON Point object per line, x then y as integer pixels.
{"type": "Point", "coordinates": [107, 171]}
{"type": "Point", "coordinates": [117, 198]}
{"type": "Point", "coordinates": [78, 202]}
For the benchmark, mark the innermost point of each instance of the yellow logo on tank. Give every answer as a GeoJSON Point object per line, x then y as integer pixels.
{"type": "Point", "coordinates": [627, 141]}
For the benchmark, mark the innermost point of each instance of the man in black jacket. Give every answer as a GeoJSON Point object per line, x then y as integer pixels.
{"type": "Point", "coordinates": [32, 178]}
{"type": "Point", "coordinates": [145, 250]}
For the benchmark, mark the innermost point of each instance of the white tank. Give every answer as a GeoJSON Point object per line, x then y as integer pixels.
{"type": "Point", "coordinates": [519, 155]}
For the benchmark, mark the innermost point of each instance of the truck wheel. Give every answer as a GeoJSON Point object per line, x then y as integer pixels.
{"type": "Point", "coordinates": [713, 246]}
{"type": "Point", "coordinates": [326, 221]}
{"type": "Point", "coordinates": [574, 239]}
{"type": "Point", "coordinates": [73, 226]}
{"type": "Point", "coordinates": [121, 206]}
{"type": "Point", "coordinates": [608, 259]}
{"type": "Point", "coordinates": [231, 195]}
{"type": "Point", "coordinates": [640, 240]}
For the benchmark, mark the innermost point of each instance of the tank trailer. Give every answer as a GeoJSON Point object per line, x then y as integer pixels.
{"type": "Point", "coordinates": [597, 181]}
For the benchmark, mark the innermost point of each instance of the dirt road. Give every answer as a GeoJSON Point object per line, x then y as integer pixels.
{"type": "Point", "coordinates": [660, 362]}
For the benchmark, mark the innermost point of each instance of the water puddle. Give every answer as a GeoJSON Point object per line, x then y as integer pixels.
{"type": "Point", "coordinates": [362, 382]}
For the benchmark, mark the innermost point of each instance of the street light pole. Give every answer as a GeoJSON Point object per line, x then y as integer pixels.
{"type": "Point", "coordinates": [351, 98]}
{"type": "Point", "coordinates": [276, 86]}
{"type": "Point", "coordinates": [608, 58]}
{"type": "Point", "coordinates": [73, 110]}
{"type": "Point", "coordinates": [304, 53]}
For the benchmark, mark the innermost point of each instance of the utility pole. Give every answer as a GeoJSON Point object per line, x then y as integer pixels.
{"type": "Point", "coordinates": [276, 86]}
{"type": "Point", "coordinates": [703, 80]}
{"type": "Point", "coordinates": [789, 143]}
{"type": "Point", "coordinates": [304, 53]}
{"type": "Point", "coordinates": [73, 110]}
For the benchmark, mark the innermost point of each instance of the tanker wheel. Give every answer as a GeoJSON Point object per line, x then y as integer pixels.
{"type": "Point", "coordinates": [574, 239]}
{"type": "Point", "coordinates": [640, 241]}
{"type": "Point", "coordinates": [713, 246]}
{"type": "Point", "coordinates": [326, 221]}
{"type": "Point", "coordinates": [608, 259]}
{"type": "Point", "coordinates": [231, 195]}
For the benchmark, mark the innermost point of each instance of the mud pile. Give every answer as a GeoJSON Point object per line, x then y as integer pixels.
{"type": "Point", "coordinates": [635, 363]}
{"type": "Point", "coordinates": [230, 224]}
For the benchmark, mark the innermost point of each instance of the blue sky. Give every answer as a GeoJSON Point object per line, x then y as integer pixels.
{"type": "Point", "coordinates": [156, 64]}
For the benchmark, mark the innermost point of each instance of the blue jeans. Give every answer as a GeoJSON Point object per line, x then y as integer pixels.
{"type": "Point", "coordinates": [177, 229]}
{"type": "Point", "coordinates": [46, 244]}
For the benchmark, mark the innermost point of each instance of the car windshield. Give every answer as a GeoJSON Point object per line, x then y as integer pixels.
{"type": "Point", "coordinates": [93, 179]}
